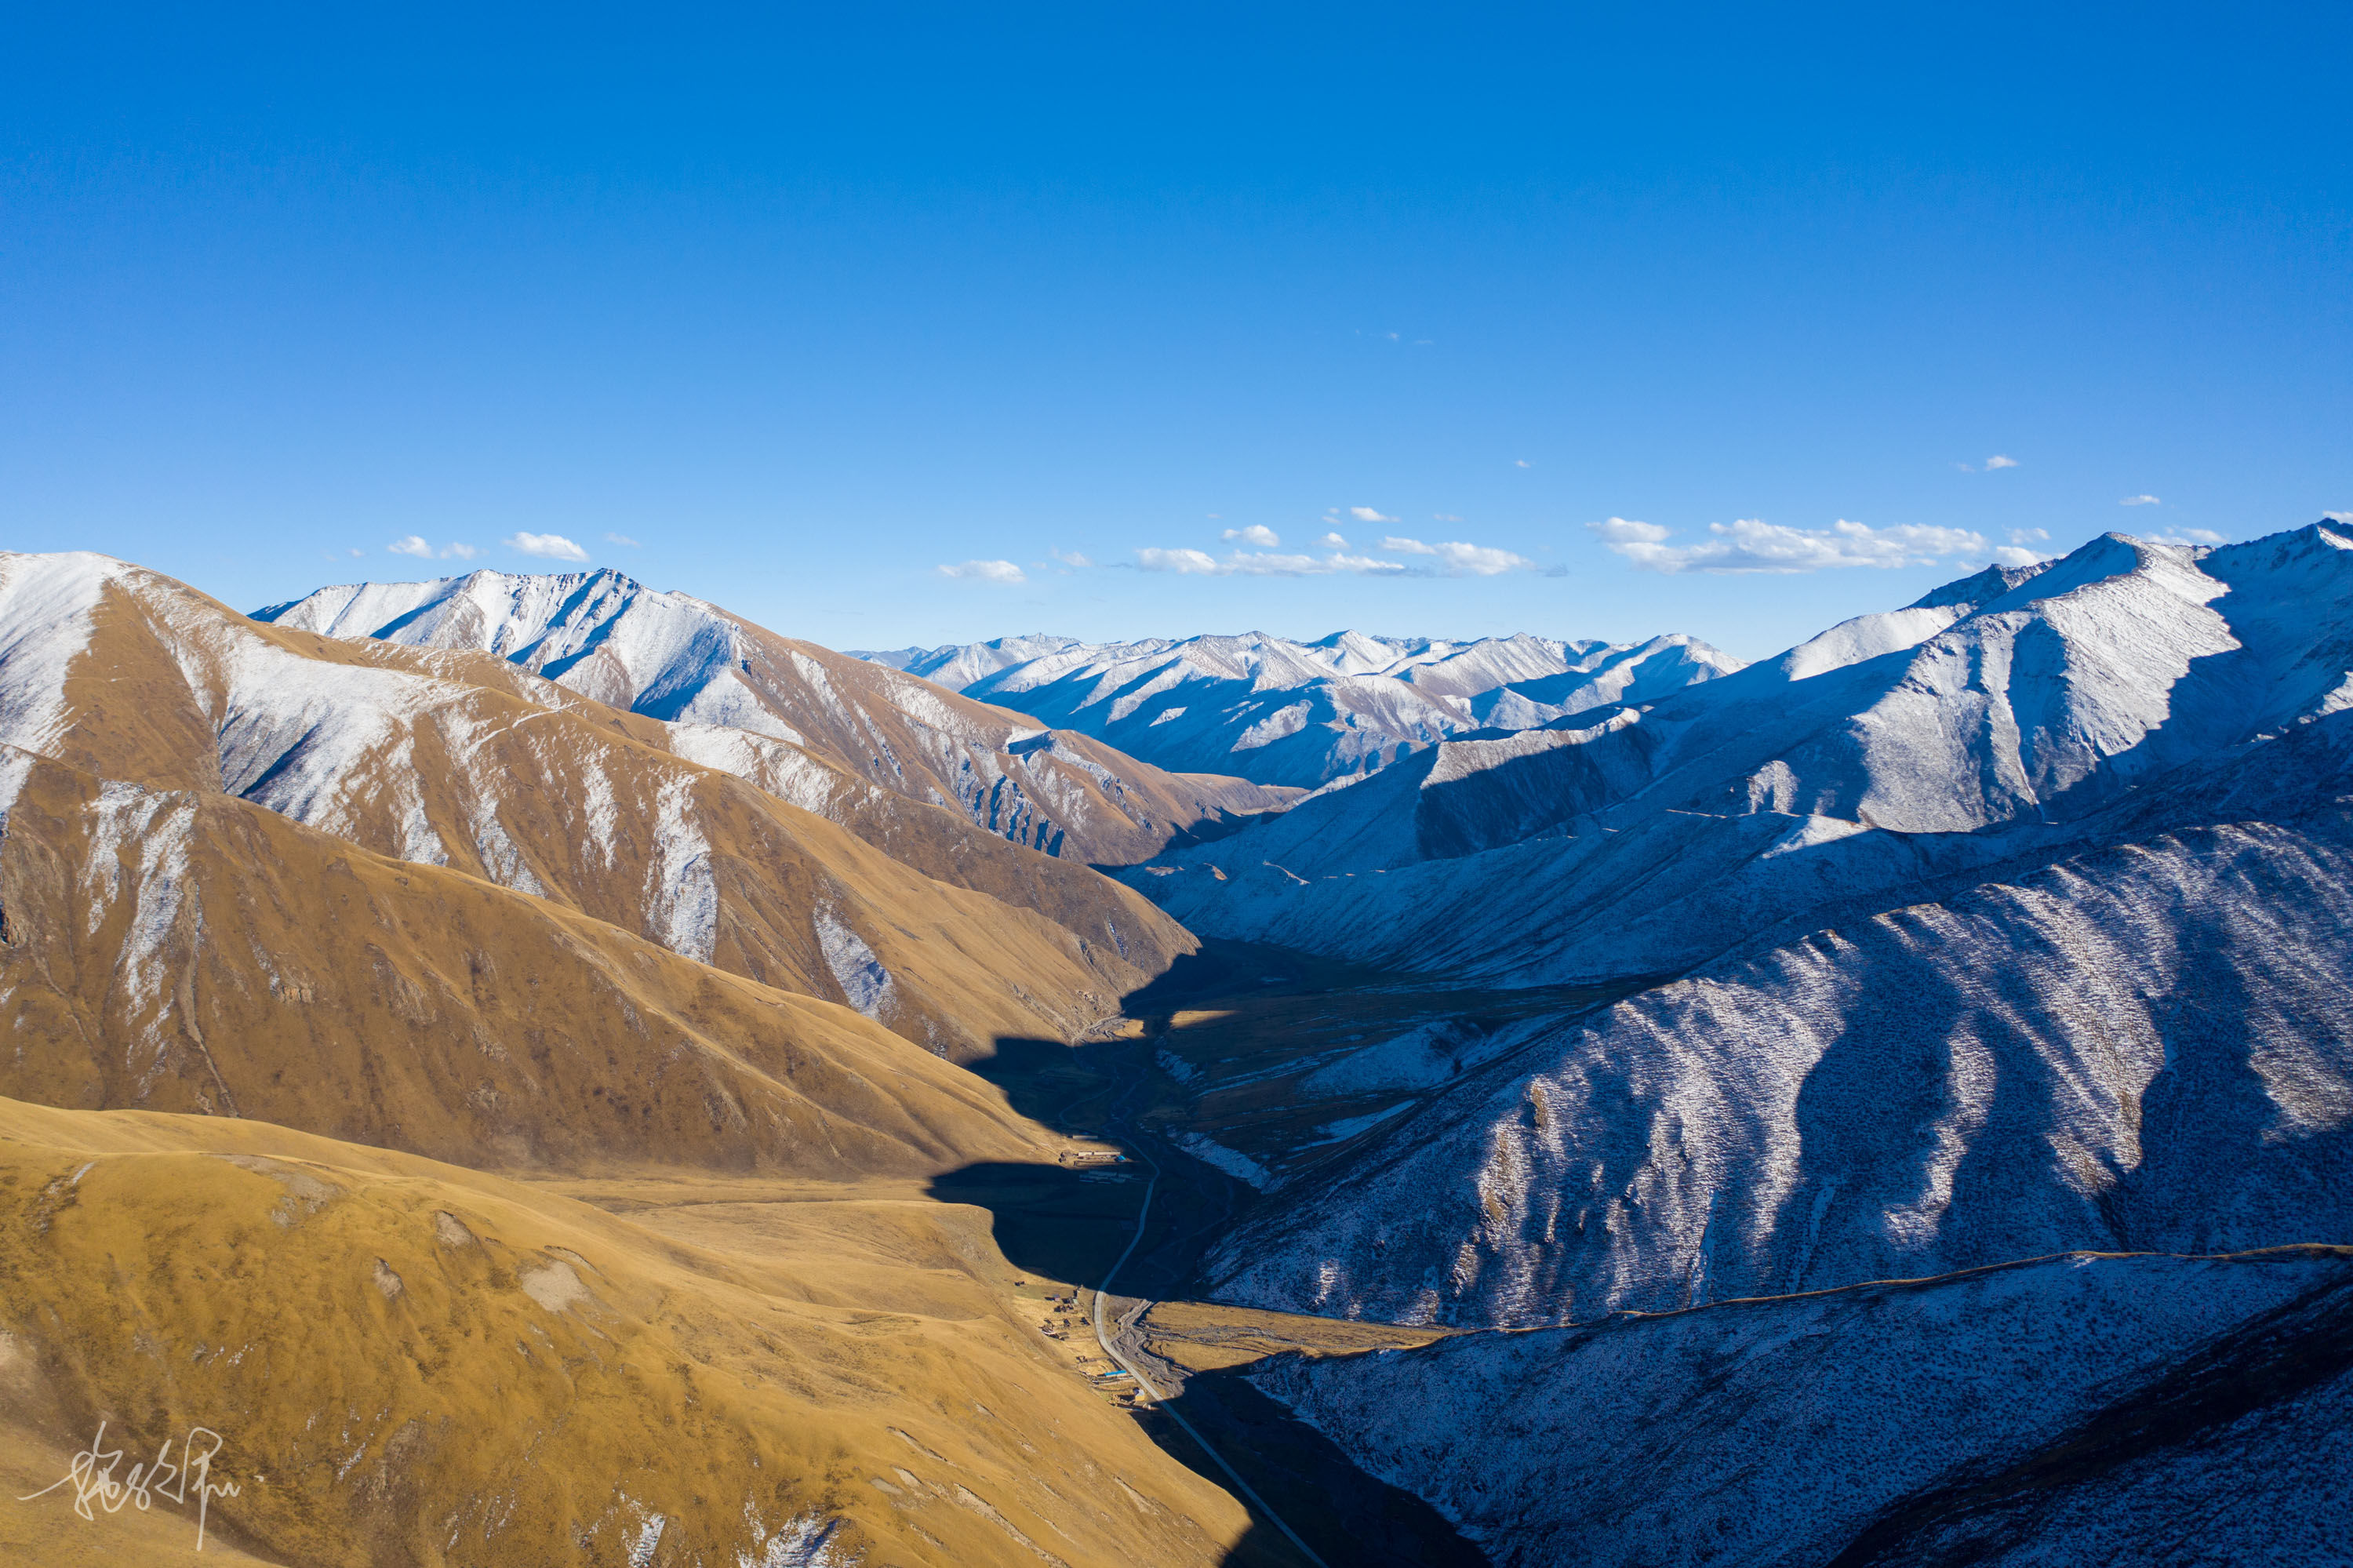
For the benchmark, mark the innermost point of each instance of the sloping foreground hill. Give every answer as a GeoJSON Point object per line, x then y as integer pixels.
{"type": "Point", "coordinates": [1305, 713]}
{"type": "Point", "coordinates": [2081, 1409]}
{"type": "Point", "coordinates": [947, 934]}
{"type": "Point", "coordinates": [672, 657]}
{"type": "Point", "coordinates": [410, 1364]}
{"type": "Point", "coordinates": [1996, 718]}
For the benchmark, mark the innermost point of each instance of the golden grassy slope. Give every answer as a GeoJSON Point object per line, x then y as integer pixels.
{"type": "Point", "coordinates": [184, 951]}
{"type": "Point", "coordinates": [416, 1363]}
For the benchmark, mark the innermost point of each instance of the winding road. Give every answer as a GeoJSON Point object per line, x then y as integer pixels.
{"type": "Point", "coordinates": [1125, 1131]}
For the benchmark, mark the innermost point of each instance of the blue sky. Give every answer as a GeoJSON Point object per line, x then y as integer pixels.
{"type": "Point", "coordinates": [808, 303]}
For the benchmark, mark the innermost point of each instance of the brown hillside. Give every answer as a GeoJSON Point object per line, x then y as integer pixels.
{"type": "Point", "coordinates": [464, 760]}
{"type": "Point", "coordinates": [186, 951]}
{"type": "Point", "coordinates": [410, 1364]}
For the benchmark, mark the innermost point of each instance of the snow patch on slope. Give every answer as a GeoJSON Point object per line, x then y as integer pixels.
{"type": "Point", "coordinates": [863, 979]}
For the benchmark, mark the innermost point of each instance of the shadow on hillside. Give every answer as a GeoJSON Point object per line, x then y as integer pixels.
{"type": "Point", "coordinates": [1349, 1519]}
{"type": "Point", "coordinates": [1072, 1223]}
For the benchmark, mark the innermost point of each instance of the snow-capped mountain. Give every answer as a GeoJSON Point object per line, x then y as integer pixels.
{"type": "Point", "coordinates": [1304, 714]}
{"type": "Point", "coordinates": [747, 701]}
{"type": "Point", "coordinates": [2021, 916]}
{"type": "Point", "coordinates": [1992, 719]}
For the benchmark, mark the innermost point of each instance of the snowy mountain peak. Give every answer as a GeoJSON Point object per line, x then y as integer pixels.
{"type": "Point", "coordinates": [1304, 714]}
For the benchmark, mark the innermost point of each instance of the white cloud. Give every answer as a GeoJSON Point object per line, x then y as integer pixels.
{"type": "Point", "coordinates": [1260, 564]}
{"type": "Point", "coordinates": [2140, 501]}
{"type": "Point", "coordinates": [2189, 536]}
{"type": "Point", "coordinates": [1626, 531]}
{"type": "Point", "coordinates": [1519, 462]}
{"type": "Point", "coordinates": [2332, 516]}
{"type": "Point", "coordinates": [1367, 515]}
{"type": "Point", "coordinates": [1070, 557]}
{"type": "Point", "coordinates": [1462, 559]}
{"type": "Point", "coordinates": [985, 572]}
{"type": "Point", "coordinates": [2016, 556]}
{"type": "Point", "coordinates": [357, 551]}
{"type": "Point", "coordinates": [1998, 460]}
{"type": "Point", "coordinates": [2027, 536]}
{"type": "Point", "coordinates": [1257, 534]}
{"type": "Point", "coordinates": [1750, 545]}
{"type": "Point", "coordinates": [1193, 563]}
{"type": "Point", "coordinates": [1333, 542]}
{"type": "Point", "coordinates": [623, 540]}
{"type": "Point", "coordinates": [1481, 560]}
{"type": "Point", "coordinates": [416, 546]}
{"type": "Point", "coordinates": [552, 546]}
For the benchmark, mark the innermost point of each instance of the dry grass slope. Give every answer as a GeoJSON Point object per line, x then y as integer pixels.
{"type": "Point", "coordinates": [418, 1364]}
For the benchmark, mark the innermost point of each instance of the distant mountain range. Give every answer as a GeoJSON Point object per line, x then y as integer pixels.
{"type": "Point", "coordinates": [1304, 714]}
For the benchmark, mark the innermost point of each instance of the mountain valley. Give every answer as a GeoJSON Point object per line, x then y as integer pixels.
{"type": "Point", "coordinates": [549, 1070]}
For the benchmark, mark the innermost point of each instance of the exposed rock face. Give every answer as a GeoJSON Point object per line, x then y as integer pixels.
{"type": "Point", "coordinates": [1306, 713]}
{"type": "Point", "coordinates": [791, 717]}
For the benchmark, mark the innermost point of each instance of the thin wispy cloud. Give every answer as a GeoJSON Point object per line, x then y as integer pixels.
{"type": "Point", "coordinates": [624, 541]}
{"type": "Point", "coordinates": [1463, 558]}
{"type": "Point", "coordinates": [1070, 557]}
{"type": "Point", "coordinates": [1257, 534]}
{"type": "Point", "coordinates": [548, 546]}
{"type": "Point", "coordinates": [2189, 536]}
{"type": "Point", "coordinates": [1444, 517]}
{"type": "Point", "coordinates": [1998, 460]}
{"type": "Point", "coordinates": [2021, 551]}
{"type": "Point", "coordinates": [1333, 542]}
{"type": "Point", "coordinates": [1520, 462]}
{"type": "Point", "coordinates": [1261, 564]}
{"type": "Point", "coordinates": [1751, 544]}
{"type": "Point", "coordinates": [2139, 500]}
{"type": "Point", "coordinates": [414, 545]}
{"type": "Point", "coordinates": [985, 572]}
{"type": "Point", "coordinates": [1367, 514]}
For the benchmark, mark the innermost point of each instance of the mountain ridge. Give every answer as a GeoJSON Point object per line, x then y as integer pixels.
{"type": "Point", "coordinates": [1306, 714]}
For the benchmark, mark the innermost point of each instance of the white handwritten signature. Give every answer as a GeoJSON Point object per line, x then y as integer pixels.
{"type": "Point", "coordinates": [92, 1477]}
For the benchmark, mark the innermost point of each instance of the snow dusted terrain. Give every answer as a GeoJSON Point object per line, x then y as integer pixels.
{"type": "Point", "coordinates": [2146, 1047]}
{"type": "Point", "coordinates": [1996, 718]}
{"type": "Point", "coordinates": [761, 705]}
{"type": "Point", "coordinates": [2074, 1410]}
{"type": "Point", "coordinates": [1305, 713]}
